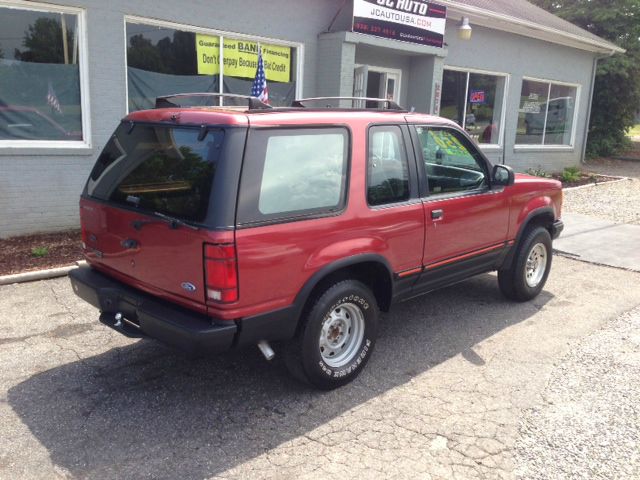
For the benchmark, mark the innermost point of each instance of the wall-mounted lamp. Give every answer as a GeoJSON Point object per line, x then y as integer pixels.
{"type": "Point", "coordinates": [464, 30]}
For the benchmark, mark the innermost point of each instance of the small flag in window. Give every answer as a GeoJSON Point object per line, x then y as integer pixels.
{"type": "Point", "coordinates": [259, 88]}
{"type": "Point", "coordinates": [52, 99]}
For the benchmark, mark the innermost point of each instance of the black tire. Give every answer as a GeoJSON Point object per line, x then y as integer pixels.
{"type": "Point", "coordinates": [303, 354]}
{"type": "Point", "coordinates": [513, 281]}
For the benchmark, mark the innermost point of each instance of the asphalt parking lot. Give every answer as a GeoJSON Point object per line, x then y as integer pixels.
{"type": "Point", "coordinates": [458, 387]}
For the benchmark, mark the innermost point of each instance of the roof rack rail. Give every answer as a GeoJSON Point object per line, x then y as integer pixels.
{"type": "Point", "coordinates": [356, 103]}
{"type": "Point", "coordinates": [200, 100]}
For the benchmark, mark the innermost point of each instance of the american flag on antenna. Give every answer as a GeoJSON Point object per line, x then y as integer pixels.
{"type": "Point", "coordinates": [52, 99]}
{"type": "Point", "coordinates": [259, 88]}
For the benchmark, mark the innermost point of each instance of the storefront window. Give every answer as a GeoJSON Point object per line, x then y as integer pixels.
{"type": "Point", "coordinates": [546, 112]}
{"type": "Point", "coordinates": [164, 61]}
{"type": "Point", "coordinates": [474, 101]}
{"type": "Point", "coordinates": [39, 75]}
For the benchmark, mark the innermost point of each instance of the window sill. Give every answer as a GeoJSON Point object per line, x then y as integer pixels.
{"type": "Point", "coordinates": [44, 148]}
{"type": "Point", "coordinates": [544, 148]}
{"type": "Point", "coordinates": [490, 147]}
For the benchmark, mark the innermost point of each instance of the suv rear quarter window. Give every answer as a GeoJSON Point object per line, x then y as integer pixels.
{"type": "Point", "coordinates": [292, 173]}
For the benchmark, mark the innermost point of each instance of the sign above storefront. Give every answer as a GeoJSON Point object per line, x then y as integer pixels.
{"type": "Point", "coordinates": [241, 58]}
{"type": "Point", "coordinates": [414, 21]}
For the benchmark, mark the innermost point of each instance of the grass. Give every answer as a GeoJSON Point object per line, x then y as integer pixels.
{"type": "Point", "coordinates": [634, 131]}
{"type": "Point", "coordinates": [39, 252]}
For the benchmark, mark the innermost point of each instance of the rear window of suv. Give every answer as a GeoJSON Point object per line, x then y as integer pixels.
{"type": "Point", "coordinates": [169, 170]}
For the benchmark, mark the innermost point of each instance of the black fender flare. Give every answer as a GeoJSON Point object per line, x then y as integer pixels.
{"type": "Point", "coordinates": [303, 295]}
{"type": "Point", "coordinates": [538, 212]}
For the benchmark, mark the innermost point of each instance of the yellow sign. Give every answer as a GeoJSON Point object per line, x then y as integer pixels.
{"type": "Point", "coordinates": [241, 58]}
{"type": "Point", "coordinates": [449, 144]}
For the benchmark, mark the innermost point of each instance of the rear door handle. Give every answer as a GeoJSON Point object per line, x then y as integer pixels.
{"type": "Point", "coordinates": [437, 214]}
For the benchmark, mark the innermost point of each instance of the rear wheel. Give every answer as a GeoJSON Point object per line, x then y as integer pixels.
{"type": "Point", "coordinates": [337, 337]}
{"type": "Point", "coordinates": [530, 268]}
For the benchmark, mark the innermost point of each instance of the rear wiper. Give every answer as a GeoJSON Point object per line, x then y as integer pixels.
{"type": "Point", "coordinates": [174, 223]}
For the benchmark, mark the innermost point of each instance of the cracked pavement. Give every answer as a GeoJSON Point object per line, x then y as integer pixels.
{"type": "Point", "coordinates": [459, 386]}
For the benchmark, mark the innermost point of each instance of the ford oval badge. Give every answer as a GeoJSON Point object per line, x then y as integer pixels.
{"type": "Point", "coordinates": [189, 287]}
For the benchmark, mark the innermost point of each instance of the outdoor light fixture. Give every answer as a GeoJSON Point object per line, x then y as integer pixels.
{"type": "Point", "coordinates": [464, 30]}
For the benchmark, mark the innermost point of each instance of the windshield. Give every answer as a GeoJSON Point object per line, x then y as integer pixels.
{"type": "Point", "coordinates": [155, 168]}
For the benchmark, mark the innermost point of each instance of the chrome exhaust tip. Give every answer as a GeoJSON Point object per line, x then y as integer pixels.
{"type": "Point", "coordinates": [266, 350]}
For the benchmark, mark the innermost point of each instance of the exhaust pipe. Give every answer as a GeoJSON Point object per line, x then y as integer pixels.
{"type": "Point", "coordinates": [266, 350]}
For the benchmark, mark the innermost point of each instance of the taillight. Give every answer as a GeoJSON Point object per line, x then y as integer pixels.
{"type": "Point", "coordinates": [221, 273]}
{"type": "Point", "coordinates": [84, 236]}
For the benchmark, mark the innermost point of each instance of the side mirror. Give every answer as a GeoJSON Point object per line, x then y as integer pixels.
{"type": "Point", "coordinates": [503, 175]}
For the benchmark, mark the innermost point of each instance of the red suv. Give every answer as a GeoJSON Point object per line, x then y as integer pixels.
{"type": "Point", "coordinates": [212, 228]}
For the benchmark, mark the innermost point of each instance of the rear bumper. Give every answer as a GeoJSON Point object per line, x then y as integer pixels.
{"type": "Point", "coordinates": [556, 229]}
{"type": "Point", "coordinates": [146, 316]}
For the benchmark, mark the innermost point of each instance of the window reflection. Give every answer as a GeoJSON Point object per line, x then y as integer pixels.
{"type": "Point", "coordinates": [546, 112]}
{"type": "Point", "coordinates": [39, 76]}
{"type": "Point", "coordinates": [164, 61]}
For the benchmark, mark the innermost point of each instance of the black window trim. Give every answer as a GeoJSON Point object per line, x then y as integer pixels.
{"type": "Point", "coordinates": [414, 190]}
{"type": "Point", "coordinates": [244, 208]}
{"type": "Point", "coordinates": [425, 194]}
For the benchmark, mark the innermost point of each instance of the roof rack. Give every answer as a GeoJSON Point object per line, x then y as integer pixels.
{"type": "Point", "coordinates": [184, 100]}
{"type": "Point", "coordinates": [356, 103]}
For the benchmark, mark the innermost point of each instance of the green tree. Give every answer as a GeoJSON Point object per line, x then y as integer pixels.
{"type": "Point", "coordinates": [144, 55]}
{"type": "Point", "coordinates": [43, 41]}
{"type": "Point", "coordinates": [176, 56]}
{"type": "Point", "coordinates": [616, 96]}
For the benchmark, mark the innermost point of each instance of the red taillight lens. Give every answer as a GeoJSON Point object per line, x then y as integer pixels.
{"type": "Point", "coordinates": [84, 237]}
{"type": "Point", "coordinates": [221, 273]}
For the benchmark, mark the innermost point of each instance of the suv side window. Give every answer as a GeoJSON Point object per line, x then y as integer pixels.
{"type": "Point", "coordinates": [387, 167]}
{"type": "Point", "coordinates": [293, 172]}
{"type": "Point", "coordinates": [451, 163]}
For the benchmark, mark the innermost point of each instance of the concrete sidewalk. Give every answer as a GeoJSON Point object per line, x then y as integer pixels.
{"type": "Point", "coordinates": [600, 241]}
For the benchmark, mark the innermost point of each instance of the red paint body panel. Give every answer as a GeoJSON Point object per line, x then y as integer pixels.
{"type": "Point", "coordinates": [468, 223]}
{"type": "Point", "coordinates": [529, 194]}
{"type": "Point", "coordinates": [162, 259]}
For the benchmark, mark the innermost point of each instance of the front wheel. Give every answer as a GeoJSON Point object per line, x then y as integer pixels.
{"type": "Point", "coordinates": [337, 337]}
{"type": "Point", "coordinates": [530, 268]}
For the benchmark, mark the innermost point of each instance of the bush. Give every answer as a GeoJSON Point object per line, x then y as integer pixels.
{"type": "Point", "coordinates": [571, 174]}
{"type": "Point", "coordinates": [538, 172]}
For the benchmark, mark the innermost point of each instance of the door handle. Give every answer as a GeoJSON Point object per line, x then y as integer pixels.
{"type": "Point", "coordinates": [437, 214]}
